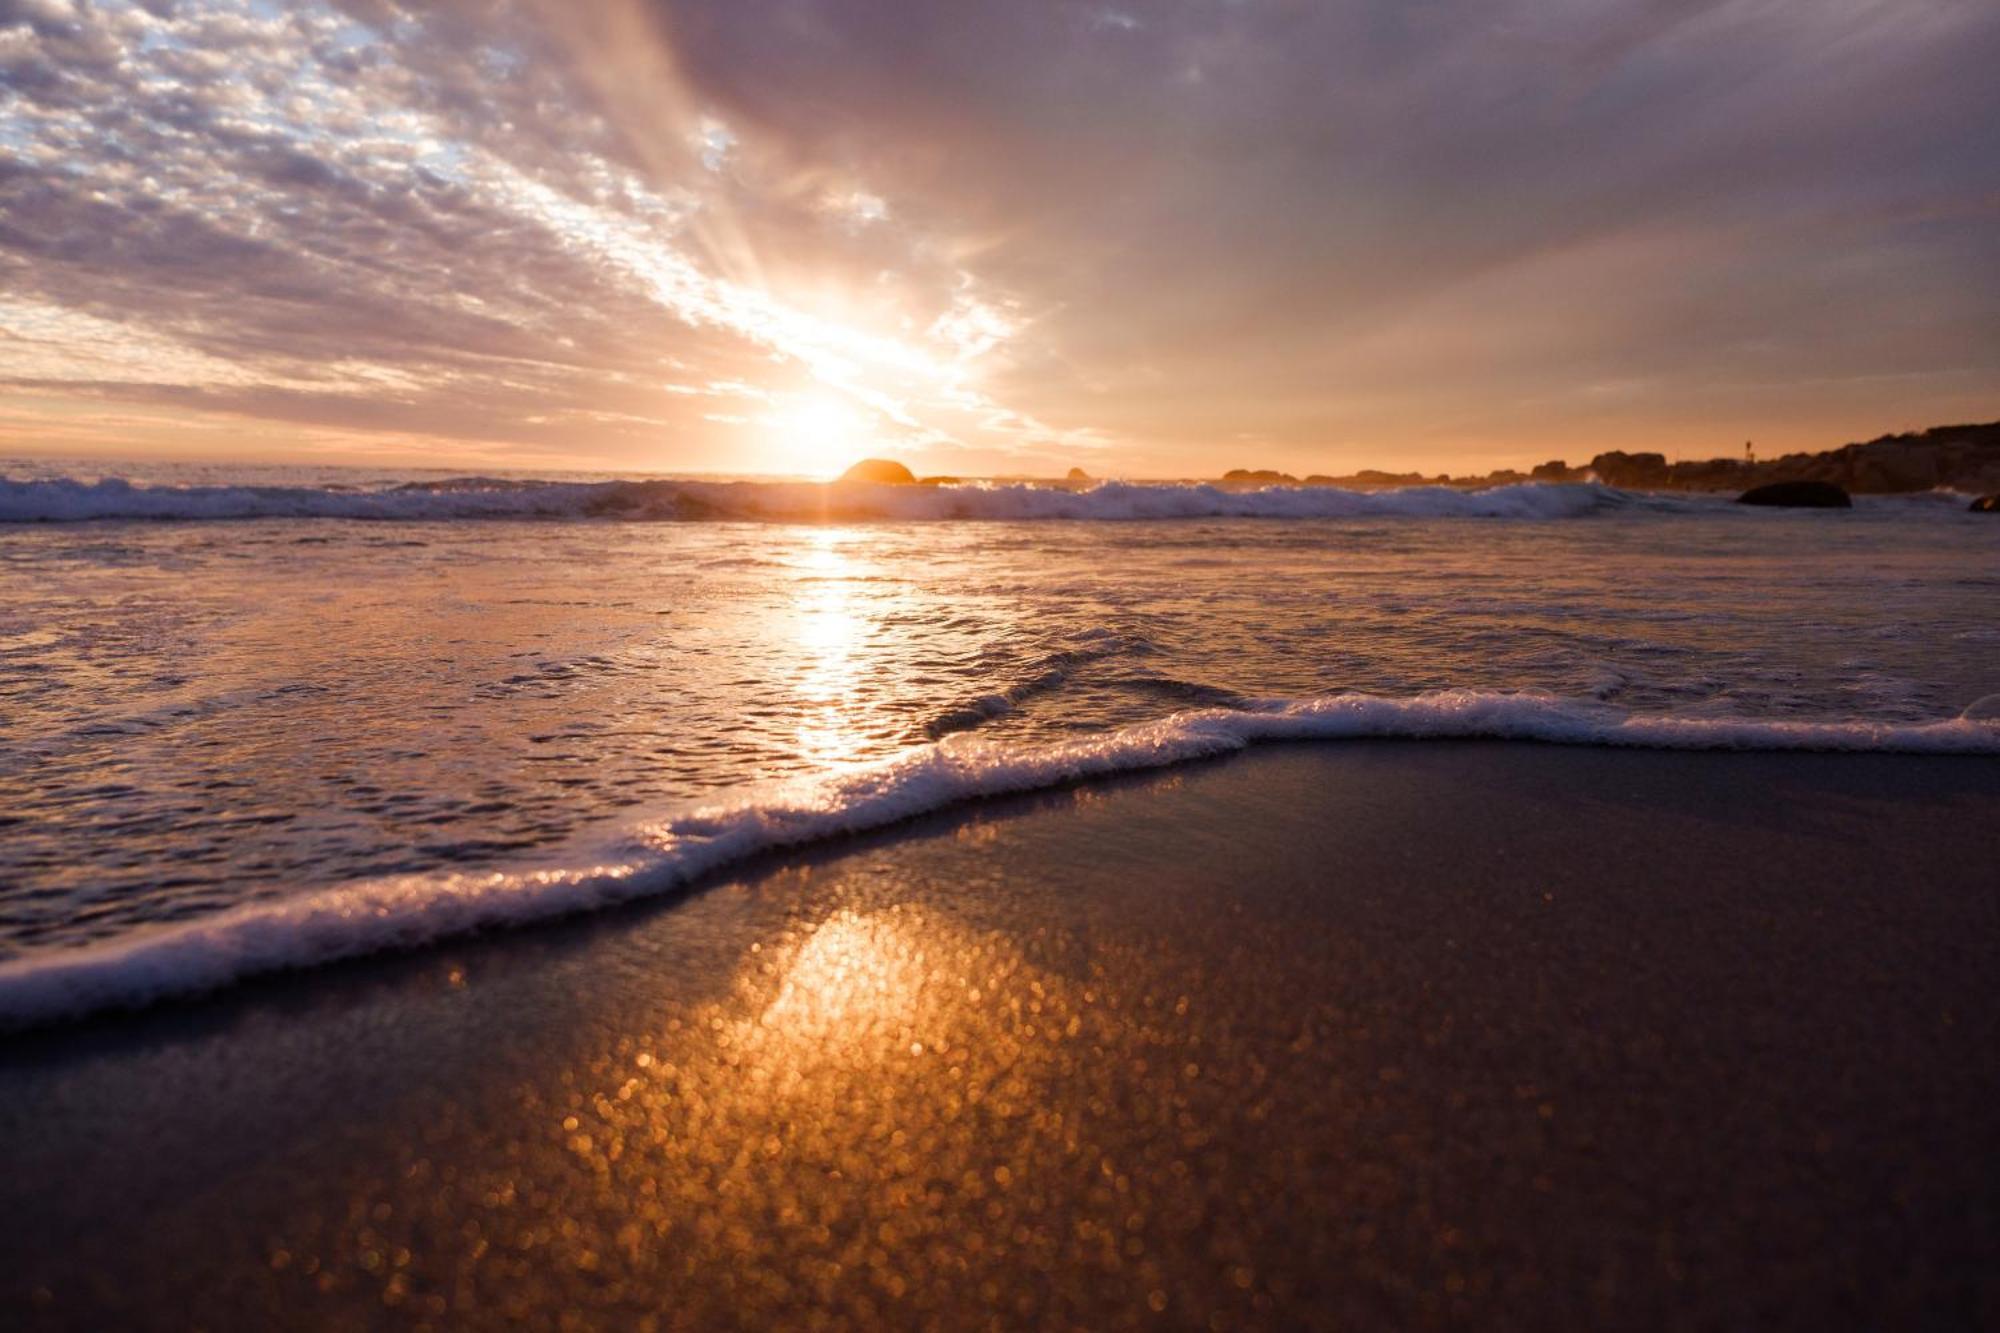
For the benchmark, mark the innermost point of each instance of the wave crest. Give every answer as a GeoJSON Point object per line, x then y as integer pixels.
{"type": "Point", "coordinates": [70, 500]}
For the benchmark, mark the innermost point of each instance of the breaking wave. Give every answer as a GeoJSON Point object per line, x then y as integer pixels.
{"type": "Point", "coordinates": [70, 500]}
{"type": "Point", "coordinates": [671, 852]}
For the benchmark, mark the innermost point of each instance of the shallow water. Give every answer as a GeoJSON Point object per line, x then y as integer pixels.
{"type": "Point", "coordinates": [199, 715]}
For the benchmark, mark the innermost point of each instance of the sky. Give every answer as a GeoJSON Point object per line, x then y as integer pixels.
{"type": "Point", "coordinates": [1144, 238]}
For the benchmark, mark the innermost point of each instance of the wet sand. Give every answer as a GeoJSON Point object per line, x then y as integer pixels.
{"type": "Point", "coordinates": [1377, 1035]}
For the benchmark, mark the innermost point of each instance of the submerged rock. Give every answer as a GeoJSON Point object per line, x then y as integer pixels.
{"type": "Point", "coordinates": [1986, 504]}
{"type": "Point", "coordinates": [881, 471]}
{"type": "Point", "coordinates": [1797, 495]}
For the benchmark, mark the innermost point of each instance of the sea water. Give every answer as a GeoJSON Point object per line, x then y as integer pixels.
{"type": "Point", "coordinates": [259, 719]}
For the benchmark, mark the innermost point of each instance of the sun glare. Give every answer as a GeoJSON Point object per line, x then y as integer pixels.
{"type": "Point", "coordinates": [817, 436]}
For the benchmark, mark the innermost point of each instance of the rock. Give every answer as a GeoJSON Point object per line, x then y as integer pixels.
{"type": "Point", "coordinates": [880, 471]}
{"type": "Point", "coordinates": [1078, 474]}
{"type": "Point", "coordinates": [1555, 469]}
{"type": "Point", "coordinates": [1376, 479]}
{"type": "Point", "coordinates": [1259, 477]}
{"type": "Point", "coordinates": [1890, 466]}
{"type": "Point", "coordinates": [1986, 504]}
{"type": "Point", "coordinates": [1630, 471]}
{"type": "Point", "coordinates": [1797, 495]}
{"type": "Point", "coordinates": [1716, 474]}
{"type": "Point", "coordinates": [939, 481]}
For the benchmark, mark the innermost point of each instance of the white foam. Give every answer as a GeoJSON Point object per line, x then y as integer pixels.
{"type": "Point", "coordinates": [67, 500]}
{"type": "Point", "coordinates": [669, 852]}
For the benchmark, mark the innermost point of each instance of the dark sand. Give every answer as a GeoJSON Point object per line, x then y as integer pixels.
{"type": "Point", "coordinates": [1363, 1035]}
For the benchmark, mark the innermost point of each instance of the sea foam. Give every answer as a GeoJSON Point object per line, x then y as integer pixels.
{"type": "Point", "coordinates": [674, 850]}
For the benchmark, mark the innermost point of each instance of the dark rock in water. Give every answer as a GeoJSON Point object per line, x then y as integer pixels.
{"type": "Point", "coordinates": [1262, 476]}
{"type": "Point", "coordinates": [1078, 474]}
{"type": "Point", "coordinates": [1986, 504]}
{"type": "Point", "coordinates": [938, 481]}
{"type": "Point", "coordinates": [881, 471]}
{"type": "Point", "coordinates": [1797, 495]}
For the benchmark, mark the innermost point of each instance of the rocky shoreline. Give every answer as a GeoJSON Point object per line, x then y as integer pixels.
{"type": "Point", "coordinates": [1964, 458]}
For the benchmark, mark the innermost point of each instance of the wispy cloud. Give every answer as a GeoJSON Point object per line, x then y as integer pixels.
{"type": "Point", "coordinates": [1001, 233]}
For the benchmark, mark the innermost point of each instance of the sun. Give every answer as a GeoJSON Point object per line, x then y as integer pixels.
{"type": "Point", "coordinates": [816, 436]}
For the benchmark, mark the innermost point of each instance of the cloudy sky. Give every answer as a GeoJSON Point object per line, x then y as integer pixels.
{"type": "Point", "coordinates": [1147, 237]}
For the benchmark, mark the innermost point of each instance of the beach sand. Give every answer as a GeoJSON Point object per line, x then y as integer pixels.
{"type": "Point", "coordinates": [1368, 1034]}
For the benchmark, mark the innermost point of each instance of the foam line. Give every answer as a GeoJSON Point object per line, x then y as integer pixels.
{"type": "Point", "coordinates": [671, 851]}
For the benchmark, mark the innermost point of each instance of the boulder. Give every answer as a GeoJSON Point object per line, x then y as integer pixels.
{"type": "Point", "coordinates": [940, 481]}
{"type": "Point", "coordinates": [881, 471]}
{"type": "Point", "coordinates": [1078, 474]}
{"type": "Point", "coordinates": [1797, 495]}
{"type": "Point", "coordinates": [1259, 477]}
{"type": "Point", "coordinates": [1986, 504]}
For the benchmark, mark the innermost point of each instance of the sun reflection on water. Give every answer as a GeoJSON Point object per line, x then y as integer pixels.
{"type": "Point", "coordinates": [831, 630]}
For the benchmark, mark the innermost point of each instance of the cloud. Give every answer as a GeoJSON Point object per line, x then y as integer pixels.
{"type": "Point", "coordinates": [1006, 233]}
{"type": "Point", "coordinates": [423, 217]}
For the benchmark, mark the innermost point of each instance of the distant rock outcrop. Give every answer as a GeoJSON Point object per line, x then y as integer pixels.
{"type": "Point", "coordinates": [1986, 504]}
{"type": "Point", "coordinates": [1078, 474]}
{"type": "Point", "coordinates": [1962, 457]}
{"type": "Point", "coordinates": [1369, 476]}
{"type": "Point", "coordinates": [1797, 495]}
{"type": "Point", "coordinates": [1632, 472]}
{"type": "Point", "coordinates": [940, 481]}
{"type": "Point", "coordinates": [1376, 479]}
{"type": "Point", "coordinates": [881, 471]}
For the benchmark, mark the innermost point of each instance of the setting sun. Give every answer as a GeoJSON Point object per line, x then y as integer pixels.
{"type": "Point", "coordinates": [815, 436]}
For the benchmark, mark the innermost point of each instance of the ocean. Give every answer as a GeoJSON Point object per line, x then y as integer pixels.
{"type": "Point", "coordinates": [258, 719]}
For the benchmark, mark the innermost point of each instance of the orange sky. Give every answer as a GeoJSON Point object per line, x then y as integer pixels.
{"type": "Point", "coordinates": [1157, 240]}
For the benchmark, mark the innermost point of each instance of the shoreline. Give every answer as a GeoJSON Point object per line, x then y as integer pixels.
{"type": "Point", "coordinates": [1309, 1035]}
{"type": "Point", "coordinates": [669, 856]}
